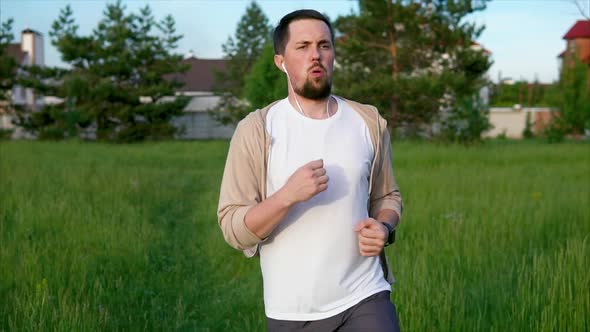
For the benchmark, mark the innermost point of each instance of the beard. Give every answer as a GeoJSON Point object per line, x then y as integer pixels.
{"type": "Point", "coordinates": [316, 89]}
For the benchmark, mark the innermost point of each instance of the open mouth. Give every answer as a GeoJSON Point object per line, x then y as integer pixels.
{"type": "Point", "coordinates": [317, 71]}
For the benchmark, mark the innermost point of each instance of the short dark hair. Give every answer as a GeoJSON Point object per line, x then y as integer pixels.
{"type": "Point", "coordinates": [281, 32]}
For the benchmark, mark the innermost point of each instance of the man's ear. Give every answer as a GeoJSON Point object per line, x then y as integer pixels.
{"type": "Point", "coordinates": [279, 60]}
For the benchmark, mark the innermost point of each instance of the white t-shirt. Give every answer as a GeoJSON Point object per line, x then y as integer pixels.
{"type": "Point", "coordinates": [311, 265]}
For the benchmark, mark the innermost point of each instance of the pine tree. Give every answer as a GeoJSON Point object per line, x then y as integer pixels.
{"type": "Point", "coordinates": [116, 81]}
{"type": "Point", "coordinates": [413, 59]}
{"type": "Point", "coordinates": [574, 98]}
{"type": "Point", "coordinates": [8, 72]}
{"type": "Point", "coordinates": [265, 83]}
{"type": "Point", "coordinates": [242, 50]}
{"type": "Point", "coordinates": [8, 66]}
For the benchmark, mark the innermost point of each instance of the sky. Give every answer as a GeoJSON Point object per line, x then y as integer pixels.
{"type": "Point", "coordinates": [524, 36]}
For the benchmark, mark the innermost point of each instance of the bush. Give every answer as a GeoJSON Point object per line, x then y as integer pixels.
{"type": "Point", "coordinates": [555, 133]}
{"type": "Point", "coordinates": [5, 134]}
{"type": "Point", "coordinates": [528, 129]}
{"type": "Point", "coordinates": [466, 121]}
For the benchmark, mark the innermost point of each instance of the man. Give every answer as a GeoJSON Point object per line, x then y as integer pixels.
{"type": "Point", "coordinates": [308, 185]}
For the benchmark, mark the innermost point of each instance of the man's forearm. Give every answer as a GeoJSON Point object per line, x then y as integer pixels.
{"type": "Point", "coordinates": [389, 216]}
{"type": "Point", "coordinates": [264, 217]}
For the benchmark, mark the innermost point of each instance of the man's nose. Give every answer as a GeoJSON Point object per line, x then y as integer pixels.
{"type": "Point", "coordinates": [315, 53]}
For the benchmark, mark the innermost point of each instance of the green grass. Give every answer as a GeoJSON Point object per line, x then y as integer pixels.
{"type": "Point", "coordinates": [97, 237]}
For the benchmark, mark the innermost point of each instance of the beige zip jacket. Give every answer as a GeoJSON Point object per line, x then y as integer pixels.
{"type": "Point", "coordinates": [244, 178]}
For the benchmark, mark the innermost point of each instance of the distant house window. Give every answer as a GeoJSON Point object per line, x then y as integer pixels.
{"type": "Point", "coordinates": [572, 46]}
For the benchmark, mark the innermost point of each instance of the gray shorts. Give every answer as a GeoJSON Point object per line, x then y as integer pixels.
{"type": "Point", "coordinates": [376, 313]}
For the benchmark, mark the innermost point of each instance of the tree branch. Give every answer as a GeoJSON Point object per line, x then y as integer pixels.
{"type": "Point", "coordinates": [582, 9]}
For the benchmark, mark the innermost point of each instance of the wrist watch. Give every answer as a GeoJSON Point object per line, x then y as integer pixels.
{"type": "Point", "coordinates": [391, 236]}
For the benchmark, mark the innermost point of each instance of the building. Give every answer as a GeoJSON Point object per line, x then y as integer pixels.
{"type": "Point", "coordinates": [28, 52]}
{"type": "Point", "coordinates": [577, 44]}
{"type": "Point", "coordinates": [197, 121]}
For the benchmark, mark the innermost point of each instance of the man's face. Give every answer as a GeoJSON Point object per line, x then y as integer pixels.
{"type": "Point", "coordinates": [309, 58]}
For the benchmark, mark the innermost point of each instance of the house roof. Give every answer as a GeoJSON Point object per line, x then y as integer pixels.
{"type": "Point", "coordinates": [15, 51]}
{"type": "Point", "coordinates": [201, 74]}
{"type": "Point", "coordinates": [478, 46]}
{"type": "Point", "coordinates": [580, 30]}
{"type": "Point", "coordinates": [27, 30]}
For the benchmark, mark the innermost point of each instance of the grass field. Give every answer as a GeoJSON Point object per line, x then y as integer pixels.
{"type": "Point", "coordinates": [100, 237]}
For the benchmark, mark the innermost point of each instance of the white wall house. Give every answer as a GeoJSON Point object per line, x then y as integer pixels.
{"type": "Point", "coordinates": [196, 121]}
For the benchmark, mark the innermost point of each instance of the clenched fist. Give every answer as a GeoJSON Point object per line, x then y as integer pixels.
{"type": "Point", "coordinates": [306, 182]}
{"type": "Point", "coordinates": [372, 236]}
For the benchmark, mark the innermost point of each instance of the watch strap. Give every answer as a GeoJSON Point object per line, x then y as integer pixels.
{"type": "Point", "coordinates": [391, 233]}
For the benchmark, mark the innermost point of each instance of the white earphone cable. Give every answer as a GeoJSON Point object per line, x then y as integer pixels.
{"type": "Point", "coordinates": [297, 101]}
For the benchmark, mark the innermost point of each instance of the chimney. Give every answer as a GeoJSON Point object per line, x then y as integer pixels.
{"type": "Point", "coordinates": [32, 43]}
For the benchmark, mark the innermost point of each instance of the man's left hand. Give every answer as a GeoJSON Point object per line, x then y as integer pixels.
{"type": "Point", "coordinates": [372, 236]}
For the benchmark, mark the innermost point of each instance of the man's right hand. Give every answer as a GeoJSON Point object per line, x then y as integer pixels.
{"type": "Point", "coordinates": [307, 181]}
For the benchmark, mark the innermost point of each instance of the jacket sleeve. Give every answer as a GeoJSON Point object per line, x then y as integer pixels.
{"type": "Point", "coordinates": [385, 193]}
{"type": "Point", "coordinates": [240, 188]}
